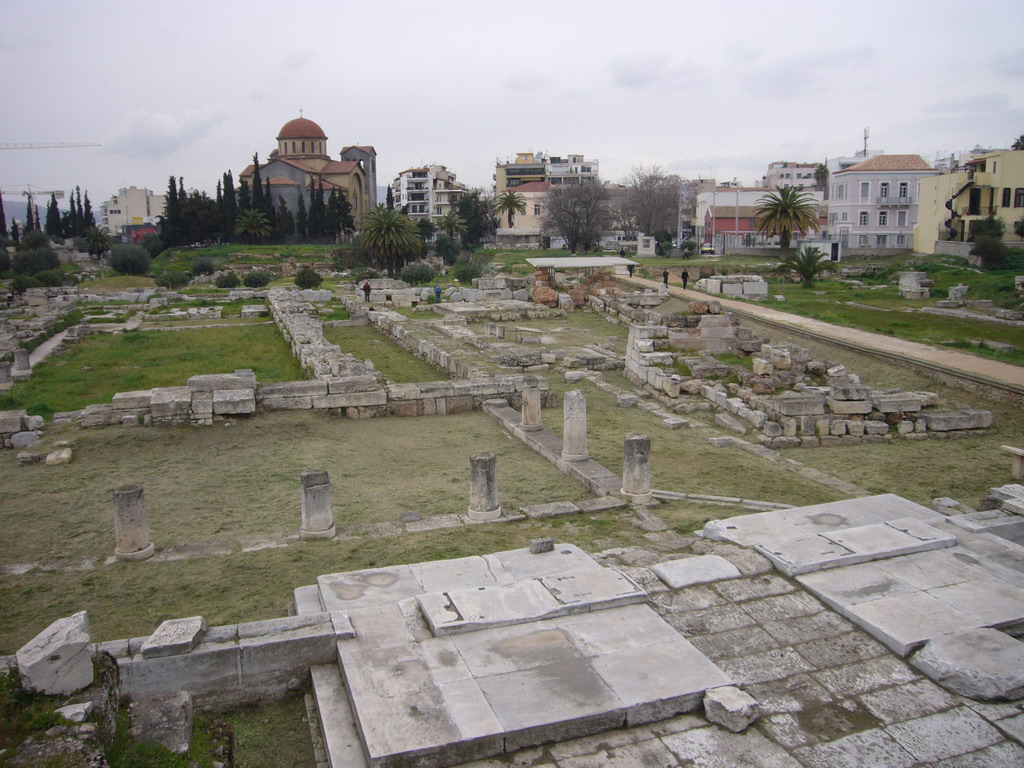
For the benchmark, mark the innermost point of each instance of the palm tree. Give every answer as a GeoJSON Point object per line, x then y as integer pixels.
{"type": "Point", "coordinates": [1018, 143]}
{"type": "Point", "coordinates": [253, 223]}
{"type": "Point", "coordinates": [784, 212]}
{"type": "Point", "coordinates": [807, 264]}
{"type": "Point", "coordinates": [390, 237]}
{"type": "Point", "coordinates": [821, 175]}
{"type": "Point", "coordinates": [510, 202]}
{"type": "Point", "coordinates": [451, 224]}
{"type": "Point", "coordinates": [97, 241]}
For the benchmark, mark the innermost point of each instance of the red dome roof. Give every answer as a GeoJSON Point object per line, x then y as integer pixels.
{"type": "Point", "coordinates": [301, 128]}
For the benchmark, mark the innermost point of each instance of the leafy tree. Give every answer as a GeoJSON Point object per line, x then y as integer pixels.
{"type": "Point", "coordinates": [284, 222]}
{"type": "Point", "coordinates": [807, 263]}
{"type": "Point", "coordinates": [199, 217]}
{"type": "Point", "coordinates": [390, 200]}
{"type": "Point", "coordinates": [510, 203]}
{"type": "Point", "coordinates": [447, 249]}
{"type": "Point", "coordinates": [256, 279]}
{"type": "Point", "coordinates": [34, 239]}
{"type": "Point", "coordinates": [451, 224]}
{"type": "Point", "coordinates": [308, 278]}
{"type": "Point", "coordinates": [480, 221]}
{"type": "Point", "coordinates": [50, 278]}
{"type": "Point", "coordinates": [202, 265]}
{"type": "Point", "coordinates": [990, 226]}
{"type": "Point", "coordinates": [173, 279]}
{"type": "Point", "coordinates": [649, 202]}
{"type": "Point", "coordinates": [153, 245]}
{"type": "Point", "coordinates": [1018, 143]}
{"type": "Point", "coordinates": [417, 274]}
{"type": "Point", "coordinates": [253, 223]}
{"type": "Point", "coordinates": [466, 271]}
{"type": "Point", "coordinates": [227, 280]}
{"type": "Point", "coordinates": [390, 238]}
{"type": "Point", "coordinates": [991, 250]}
{"type": "Point", "coordinates": [426, 229]}
{"type": "Point", "coordinates": [5, 261]}
{"type": "Point", "coordinates": [784, 212]}
{"type": "Point", "coordinates": [33, 260]}
{"type": "Point", "coordinates": [3, 219]}
{"type": "Point", "coordinates": [98, 242]}
{"type": "Point", "coordinates": [578, 213]}
{"type": "Point", "coordinates": [1018, 228]}
{"type": "Point", "coordinates": [52, 226]}
{"type": "Point", "coordinates": [129, 259]}
{"type": "Point", "coordinates": [22, 283]}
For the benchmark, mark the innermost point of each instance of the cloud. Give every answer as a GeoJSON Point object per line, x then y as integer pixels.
{"type": "Point", "coordinates": [525, 80]}
{"type": "Point", "coordinates": [803, 74]}
{"type": "Point", "coordinates": [651, 71]}
{"type": "Point", "coordinates": [971, 105]}
{"type": "Point", "coordinates": [297, 60]}
{"type": "Point", "coordinates": [1010, 63]}
{"type": "Point", "coordinates": [155, 135]}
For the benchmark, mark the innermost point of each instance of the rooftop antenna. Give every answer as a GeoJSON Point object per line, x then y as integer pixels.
{"type": "Point", "coordinates": [867, 132]}
{"type": "Point", "coordinates": [300, 112]}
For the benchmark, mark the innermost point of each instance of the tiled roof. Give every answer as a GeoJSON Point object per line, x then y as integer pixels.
{"type": "Point", "coordinates": [341, 166]}
{"type": "Point", "coordinates": [729, 211]}
{"type": "Point", "coordinates": [364, 148]}
{"type": "Point", "coordinates": [532, 186]}
{"type": "Point", "coordinates": [890, 163]}
{"type": "Point", "coordinates": [301, 128]}
{"type": "Point", "coordinates": [281, 181]}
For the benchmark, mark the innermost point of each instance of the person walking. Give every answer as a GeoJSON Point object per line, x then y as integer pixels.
{"type": "Point", "coordinates": [630, 268]}
{"type": "Point", "coordinates": [366, 291]}
{"type": "Point", "coordinates": [664, 278]}
{"type": "Point", "coordinates": [437, 294]}
{"type": "Point", "coordinates": [685, 278]}
{"type": "Point", "coordinates": [622, 253]}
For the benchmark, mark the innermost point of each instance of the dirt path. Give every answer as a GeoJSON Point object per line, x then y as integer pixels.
{"type": "Point", "coordinates": [1011, 376]}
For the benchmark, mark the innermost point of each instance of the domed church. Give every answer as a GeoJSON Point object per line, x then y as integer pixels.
{"type": "Point", "coordinates": [300, 164]}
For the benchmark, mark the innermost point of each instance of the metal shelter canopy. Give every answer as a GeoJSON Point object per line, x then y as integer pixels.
{"type": "Point", "coordinates": [580, 262]}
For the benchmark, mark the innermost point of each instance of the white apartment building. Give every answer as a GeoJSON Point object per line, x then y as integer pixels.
{"type": "Point", "coordinates": [538, 166]}
{"type": "Point", "coordinates": [786, 174]}
{"type": "Point", "coordinates": [131, 207]}
{"type": "Point", "coordinates": [429, 192]}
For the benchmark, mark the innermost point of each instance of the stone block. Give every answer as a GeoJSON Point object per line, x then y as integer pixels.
{"type": "Point", "coordinates": [128, 400]}
{"type": "Point", "coordinates": [164, 720]}
{"type": "Point", "coordinates": [847, 407]}
{"type": "Point", "coordinates": [376, 397]}
{"type": "Point", "coordinates": [800, 405]}
{"type": "Point", "coordinates": [10, 421]}
{"type": "Point", "coordinates": [23, 439]}
{"type": "Point", "coordinates": [626, 400]}
{"type": "Point", "coordinates": [348, 384]}
{"type": "Point", "coordinates": [875, 427]}
{"type": "Point", "coordinates": [58, 661]}
{"type": "Point", "coordinates": [234, 401]}
{"type": "Point", "coordinates": [272, 403]}
{"type": "Point", "coordinates": [982, 664]}
{"type": "Point", "coordinates": [962, 419]}
{"type": "Point", "coordinates": [538, 546]}
{"type": "Point", "coordinates": [59, 457]}
{"type": "Point", "coordinates": [170, 403]}
{"type": "Point", "coordinates": [687, 571]}
{"type": "Point", "coordinates": [221, 381]}
{"type": "Point", "coordinates": [292, 389]}
{"type": "Point", "coordinates": [730, 708]}
{"type": "Point", "coordinates": [897, 403]}
{"type": "Point", "coordinates": [175, 637]}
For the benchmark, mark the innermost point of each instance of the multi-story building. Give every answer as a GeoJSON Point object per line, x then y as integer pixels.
{"type": "Point", "coordinates": [131, 213]}
{"type": "Point", "coordinates": [726, 210]}
{"type": "Point", "coordinates": [528, 227]}
{"type": "Point", "coordinates": [874, 203]}
{"type": "Point", "coordinates": [429, 192]}
{"type": "Point", "coordinates": [786, 174]}
{"type": "Point", "coordinates": [990, 183]}
{"type": "Point", "coordinates": [537, 166]}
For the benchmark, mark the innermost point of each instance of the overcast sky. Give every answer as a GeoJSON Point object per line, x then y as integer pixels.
{"type": "Point", "coordinates": [194, 88]}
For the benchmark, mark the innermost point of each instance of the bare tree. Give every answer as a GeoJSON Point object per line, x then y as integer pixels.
{"type": "Point", "coordinates": [577, 212]}
{"type": "Point", "coordinates": [650, 200]}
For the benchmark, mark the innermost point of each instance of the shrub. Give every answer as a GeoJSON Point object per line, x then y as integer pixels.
{"type": "Point", "coordinates": [465, 271]}
{"type": "Point", "coordinates": [153, 245]}
{"type": "Point", "coordinates": [33, 260]}
{"type": "Point", "coordinates": [256, 279]}
{"type": "Point", "coordinates": [990, 226]}
{"type": "Point", "coordinates": [365, 274]}
{"type": "Point", "coordinates": [447, 249]}
{"type": "Point", "coordinates": [308, 278]}
{"type": "Point", "coordinates": [22, 283]}
{"type": "Point", "coordinates": [129, 259]}
{"type": "Point", "coordinates": [417, 274]}
{"type": "Point", "coordinates": [34, 239]}
{"type": "Point", "coordinates": [173, 279]}
{"type": "Point", "coordinates": [992, 251]}
{"type": "Point", "coordinates": [202, 265]}
{"type": "Point", "coordinates": [5, 261]}
{"type": "Point", "coordinates": [51, 278]}
{"type": "Point", "coordinates": [227, 280]}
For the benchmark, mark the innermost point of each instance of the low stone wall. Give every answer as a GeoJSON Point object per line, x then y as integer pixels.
{"type": "Point", "coordinates": [19, 430]}
{"type": "Point", "coordinates": [393, 325]}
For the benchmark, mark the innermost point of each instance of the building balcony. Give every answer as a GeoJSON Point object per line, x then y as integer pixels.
{"type": "Point", "coordinates": [894, 200]}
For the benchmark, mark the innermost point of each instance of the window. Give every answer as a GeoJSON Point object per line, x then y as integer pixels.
{"type": "Point", "coordinates": [862, 218]}
{"type": "Point", "coordinates": [1018, 197]}
{"type": "Point", "coordinates": [832, 218]}
{"type": "Point", "coordinates": [882, 241]}
{"type": "Point", "coordinates": [883, 218]}
{"type": "Point", "coordinates": [844, 215]}
{"type": "Point", "coordinates": [865, 190]}
{"type": "Point", "coordinates": [903, 190]}
{"type": "Point", "coordinates": [862, 239]}
{"type": "Point", "coordinates": [536, 210]}
{"type": "Point", "coordinates": [1007, 193]}
{"type": "Point", "coordinates": [901, 218]}
{"type": "Point", "coordinates": [883, 189]}
{"type": "Point", "coordinates": [901, 240]}
{"type": "Point", "coordinates": [293, 147]}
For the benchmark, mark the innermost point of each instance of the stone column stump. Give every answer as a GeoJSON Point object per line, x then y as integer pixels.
{"type": "Point", "coordinates": [531, 419]}
{"type": "Point", "coordinates": [574, 427]}
{"type": "Point", "coordinates": [131, 524]}
{"type": "Point", "coordinates": [21, 360]}
{"type": "Point", "coordinates": [636, 469]}
{"type": "Point", "coordinates": [483, 487]}
{"type": "Point", "coordinates": [317, 515]}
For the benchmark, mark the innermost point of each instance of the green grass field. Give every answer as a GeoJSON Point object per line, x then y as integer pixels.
{"type": "Point", "coordinates": [399, 365]}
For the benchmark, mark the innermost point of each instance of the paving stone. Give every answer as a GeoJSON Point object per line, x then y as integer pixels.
{"type": "Point", "coordinates": [840, 650]}
{"type": "Point", "coordinates": [990, 600]}
{"type": "Point", "coordinates": [946, 734]}
{"type": "Point", "coordinates": [736, 642]}
{"type": "Point", "coordinates": [905, 702]}
{"type": "Point", "coordinates": [767, 585]}
{"type": "Point", "coordinates": [723, 617]}
{"type": "Point", "coordinates": [651, 752]}
{"type": "Point", "coordinates": [997, 756]}
{"type": "Point", "coordinates": [805, 628]}
{"type": "Point", "coordinates": [905, 622]}
{"type": "Point", "coordinates": [1012, 727]}
{"type": "Point", "coordinates": [175, 636]}
{"type": "Point", "coordinates": [676, 724]}
{"type": "Point", "coordinates": [601, 503]}
{"type": "Point", "coordinates": [700, 569]}
{"type": "Point", "coordinates": [689, 599]}
{"type": "Point", "coordinates": [783, 607]}
{"type": "Point", "coordinates": [786, 730]}
{"type": "Point", "coordinates": [748, 561]}
{"type": "Point", "coordinates": [858, 750]}
{"type": "Point", "coordinates": [791, 694]}
{"type": "Point", "coordinates": [552, 509]}
{"type": "Point", "coordinates": [980, 663]}
{"type": "Point", "coordinates": [852, 584]}
{"type": "Point", "coordinates": [599, 742]}
{"type": "Point", "coordinates": [717, 748]}
{"type": "Point", "coordinates": [865, 676]}
{"type": "Point", "coordinates": [769, 665]}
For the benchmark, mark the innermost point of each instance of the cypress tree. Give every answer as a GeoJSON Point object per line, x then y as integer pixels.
{"type": "Point", "coordinates": [79, 213]}
{"type": "Point", "coordinates": [268, 199]}
{"type": "Point", "coordinates": [257, 185]}
{"type": "Point", "coordinates": [88, 219]}
{"type": "Point", "coordinates": [52, 216]}
{"type": "Point", "coordinates": [29, 217]}
{"type": "Point", "coordinates": [317, 213]}
{"type": "Point", "coordinates": [3, 219]}
{"type": "Point", "coordinates": [244, 197]}
{"type": "Point", "coordinates": [345, 221]}
{"type": "Point", "coordinates": [284, 221]}
{"type": "Point", "coordinates": [331, 222]}
{"type": "Point", "coordinates": [170, 222]}
{"type": "Point", "coordinates": [230, 207]}
{"type": "Point", "coordinates": [301, 220]}
{"type": "Point", "coordinates": [15, 235]}
{"type": "Point", "coordinates": [390, 200]}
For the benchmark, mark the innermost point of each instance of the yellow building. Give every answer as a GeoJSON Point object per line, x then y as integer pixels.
{"type": "Point", "coordinates": [988, 183]}
{"type": "Point", "coordinates": [538, 166]}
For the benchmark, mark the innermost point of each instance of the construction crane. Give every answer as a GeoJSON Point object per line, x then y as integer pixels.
{"type": "Point", "coordinates": [52, 145]}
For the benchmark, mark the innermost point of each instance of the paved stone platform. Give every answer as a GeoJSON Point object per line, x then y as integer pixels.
{"type": "Point", "coordinates": [481, 656]}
